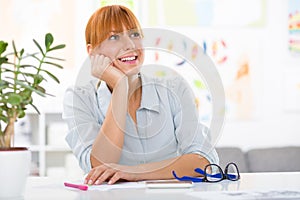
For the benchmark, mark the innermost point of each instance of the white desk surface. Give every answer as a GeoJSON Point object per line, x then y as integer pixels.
{"type": "Point", "coordinates": [40, 188]}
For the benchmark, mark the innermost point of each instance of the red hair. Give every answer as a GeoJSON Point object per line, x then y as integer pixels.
{"type": "Point", "coordinates": [107, 19]}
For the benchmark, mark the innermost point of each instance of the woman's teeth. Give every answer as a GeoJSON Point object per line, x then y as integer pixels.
{"type": "Point", "coordinates": [125, 59]}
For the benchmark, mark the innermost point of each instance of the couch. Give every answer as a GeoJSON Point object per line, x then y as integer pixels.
{"type": "Point", "coordinates": [275, 159]}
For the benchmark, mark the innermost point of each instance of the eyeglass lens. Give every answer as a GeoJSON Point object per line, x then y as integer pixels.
{"type": "Point", "coordinates": [213, 173]}
{"type": "Point", "coordinates": [231, 171]}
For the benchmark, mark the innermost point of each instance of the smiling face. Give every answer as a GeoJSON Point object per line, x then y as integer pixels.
{"type": "Point", "coordinates": [124, 49]}
{"type": "Point", "coordinates": [114, 31]}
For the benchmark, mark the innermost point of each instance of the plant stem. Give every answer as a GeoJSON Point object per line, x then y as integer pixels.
{"type": "Point", "coordinates": [39, 68]}
{"type": "Point", "coordinates": [7, 139]}
{"type": "Point", "coordinates": [41, 63]}
{"type": "Point", "coordinates": [16, 71]}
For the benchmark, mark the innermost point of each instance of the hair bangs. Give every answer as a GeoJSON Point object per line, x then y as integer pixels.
{"type": "Point", "coordinates": [121, 21]}
{"type": "Point", "coordinates": [114, 18]}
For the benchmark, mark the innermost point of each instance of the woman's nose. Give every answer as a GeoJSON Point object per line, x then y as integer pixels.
{"type": "Point", "coordinates": [128, 43]}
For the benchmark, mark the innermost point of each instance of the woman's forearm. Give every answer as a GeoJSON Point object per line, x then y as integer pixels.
{"type": "Point", "coordinates": [108, 144]}
{"type": "Point", "coordinates": [183, 165]}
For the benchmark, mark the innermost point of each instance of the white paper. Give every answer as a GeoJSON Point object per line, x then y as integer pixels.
{"type": "Point", "coordinates": [124, 185]}
{"type": "Point", "coordinates": [248, 195]}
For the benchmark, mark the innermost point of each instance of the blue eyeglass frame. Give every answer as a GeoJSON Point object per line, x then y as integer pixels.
{"type": "Point", "coordinates": [221, 176]}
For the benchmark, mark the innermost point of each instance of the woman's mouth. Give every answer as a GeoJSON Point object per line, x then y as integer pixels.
{"type": "Point", "coordinates": [128, 59]}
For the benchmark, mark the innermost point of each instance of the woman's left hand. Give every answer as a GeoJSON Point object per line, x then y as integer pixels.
{"type": "Point", "coordinates": [110, 173]}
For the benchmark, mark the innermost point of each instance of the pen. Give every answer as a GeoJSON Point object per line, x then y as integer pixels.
{"type": "Point", "coordinates": [80, 187]}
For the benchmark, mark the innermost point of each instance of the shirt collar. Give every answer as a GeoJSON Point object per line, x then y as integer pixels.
{"type": "Point", "coordinates": [150, 99]}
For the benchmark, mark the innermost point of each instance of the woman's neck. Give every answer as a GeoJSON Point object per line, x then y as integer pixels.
{"type": "Point", "coordinates": [135, 88]}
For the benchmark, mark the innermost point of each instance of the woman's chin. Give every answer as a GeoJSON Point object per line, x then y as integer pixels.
{"type": "Point", "coordinates": [133, 71]}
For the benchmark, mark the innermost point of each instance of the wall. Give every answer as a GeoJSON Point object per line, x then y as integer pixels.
{"type": "Point", "coordinates": [276, 126]}
{"type": "Point", "coordinates": [276, 118]}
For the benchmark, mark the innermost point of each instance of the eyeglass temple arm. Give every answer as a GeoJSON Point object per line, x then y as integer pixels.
{"type": "Point", "coordinates": [187, 178]}
{"type": "Point", "coordinates": [218, 175]}
{"type": "Point", "coordinates": [184, 178]}
{"type": "Point", "coordinates": [200, 171]}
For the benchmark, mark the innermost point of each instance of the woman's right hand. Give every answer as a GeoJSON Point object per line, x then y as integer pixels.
{"type": "Point", "coordinates": [103, 69]}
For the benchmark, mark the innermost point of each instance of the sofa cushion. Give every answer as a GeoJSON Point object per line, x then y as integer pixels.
{"type": "Point", "coordinates": [232, 154]}
{"type": "Point", "coordinates": [281, 159]}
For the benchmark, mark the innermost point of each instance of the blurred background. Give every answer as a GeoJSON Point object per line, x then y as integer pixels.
{"type": "Point", "coordinates": [255, 45]}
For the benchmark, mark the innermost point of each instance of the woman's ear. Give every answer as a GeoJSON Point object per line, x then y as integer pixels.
{"type": "Point", "coordinates": [89, 49]}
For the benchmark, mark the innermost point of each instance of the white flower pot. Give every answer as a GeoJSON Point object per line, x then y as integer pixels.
{"type": "Point", "coordinates": [14, 170]}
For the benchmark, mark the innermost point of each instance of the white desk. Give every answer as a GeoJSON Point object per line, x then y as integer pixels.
{"type": "Point", "coordinates": [40, 188]}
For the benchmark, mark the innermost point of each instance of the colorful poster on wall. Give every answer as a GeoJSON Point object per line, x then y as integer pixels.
{"type": "Point", "coordinates": [236, 56]}
{"type": "Point", "coordinates": [294, 27]}
{"type": "Point", "coordinates": [166, 64]}
{"type": "Point", "coordinates": [237, 61]}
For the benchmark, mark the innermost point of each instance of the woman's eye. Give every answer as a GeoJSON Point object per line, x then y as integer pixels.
{"type": "Point", "coordinates": [113, 37]}
{"type": "Point", "coordinates": [135, 35]}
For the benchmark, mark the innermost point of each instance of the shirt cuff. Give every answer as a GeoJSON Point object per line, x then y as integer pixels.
{"type": "Point", "coordinates": [85, 161]}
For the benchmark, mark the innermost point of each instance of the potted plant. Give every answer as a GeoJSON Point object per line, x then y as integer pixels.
{"type": "Point", "coordinates": [18, 82]}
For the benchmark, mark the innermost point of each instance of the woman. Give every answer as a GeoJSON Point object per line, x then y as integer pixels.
{"type": "Point", "coordinates": [129, 126]}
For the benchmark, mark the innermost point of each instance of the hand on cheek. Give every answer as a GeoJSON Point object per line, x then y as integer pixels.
{"type": "Point", "coordinates": [99, 64]}
{"type": "Point", "coordinates": [103, 68]}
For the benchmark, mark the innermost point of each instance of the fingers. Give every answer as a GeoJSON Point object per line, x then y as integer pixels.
{"type": "Point", "coordinates": [99, 64]}
{"type": "Point", "coordinates": [117, 176]}
{"type": "Point", "coordinates": [105, 176]}
{"type": "Point", "coordinates": [93, 175]}
{"type": "Point", "coordinates": [103, 173]}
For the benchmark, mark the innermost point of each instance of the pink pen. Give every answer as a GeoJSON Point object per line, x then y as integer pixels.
{"type": "Point", "coordinates": [80, 187]}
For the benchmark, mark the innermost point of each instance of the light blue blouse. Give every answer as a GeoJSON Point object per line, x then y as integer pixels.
{"type": "Point", "coordinates": [167, 122]}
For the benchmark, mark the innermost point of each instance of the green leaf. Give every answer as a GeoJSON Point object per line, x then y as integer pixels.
{"type": "Point", "coordinates": [41, 89]}
{"type": "Point", "coordinates": [21, 113]}
{"type": "Point", "coordinates": [61, 46]}
{"type": "Point", "coordinates": [7, 70]}
{"type": "Point", "coordinates": [22, 52]}
{"type": "Point", "coordinates": [38, 79]}
{"type": "Point", "coordinates": [15, 50]}
{"type": "Point", "coordinates": [54, 58]}
{"type": "Point", "coordinates": [3, 118]}
{"type": "Point", "coordinates": [14, 99]}
{"type": "Point", "coordinates": [30, 88]}
{"type": "Point", "coordinates": [31, 55]}
{"type": "Point", "coordinates": [26, 95]}
{"type": "Point", "coordinates": [29, 74]}
{"type": "Point", "coordinates": [35, 108]}
{"type": "Point", "coordinates": [40, 48]}
{"type": "Point", "coordinates": [57, 65]}
{"type": "Point", "coordinates": [48, 41]}
{"type": "Point", "coordinates": [3, 60]}
{"type": "Point", "coordinates": [8, 82]}
{"type": "Point", "coordinates": [31, 66]}
{"type": "Point", "coordinates": [28, 100]}
{"type": "Point", "coordinates": [34, 56]}
{"type": "Point", "coordinates": [3, 46]}
{"type": "Point", "coordinates": [51, 75]}
{"type": "Point", "coordinates": [3, 84]}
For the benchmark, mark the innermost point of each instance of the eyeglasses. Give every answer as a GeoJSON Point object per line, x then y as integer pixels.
{"type": "Point", "coordinates": [213, 173]}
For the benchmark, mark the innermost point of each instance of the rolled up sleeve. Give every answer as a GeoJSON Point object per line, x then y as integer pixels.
{"type": "Point", "coordinates": [192, 136]}
{"type": "Point", "coordinates": [83, 126]}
